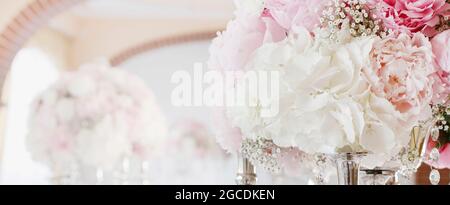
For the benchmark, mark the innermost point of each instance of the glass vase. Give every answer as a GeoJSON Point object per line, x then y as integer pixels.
{"type": "Point", "coordinates": [132, 171]}
{"type": "Point", "coordinates": [122, 172]}
{"type": "Point", "coordinates": [378, 176]}
{"type": "Point", "coordinates": [246, 174]}
{"type": "Point", "coordinates": [66, 175]}
{"type": "Point", "coordinates": [99, 176]}
{"type": "Point", "coordinates": [412, 155]}
{"type": "Point", "coordinates": [144, 168]}
{"type": "Point", "coordinates": [348, 167]}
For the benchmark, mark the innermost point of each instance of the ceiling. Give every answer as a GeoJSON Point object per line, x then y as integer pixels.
{"type": "Point", "coordinates": [71, 21]}
{"type": "Point", "coordinates": [155, 9]}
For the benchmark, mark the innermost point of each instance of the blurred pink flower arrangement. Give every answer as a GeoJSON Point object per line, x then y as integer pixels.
{"type": "Point", "coordinates": [191, 138]}
{"type": "Point", "coordinates": [95, 116]}
{"type": "Point", "coordinates": [192, 156]}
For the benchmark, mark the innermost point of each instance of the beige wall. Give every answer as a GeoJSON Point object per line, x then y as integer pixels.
{"type": "Point", "coordinates": [55, 44]}
{"type": "Point", "coordinates": [99, 38]}
{"type": "Point", "coordinates": [9, 9]}
{"type": "Point", "coordinates": [106, 38]}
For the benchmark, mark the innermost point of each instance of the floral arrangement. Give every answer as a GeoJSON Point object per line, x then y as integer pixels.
{"type": "Point", "coordinates": [192, 156]}
{"type": "Point", "coordinates": [192, 139]}
{"type": "Point", "coordinates": [95, 116]}
{"type": "Point", "coordinates": [355, 75]}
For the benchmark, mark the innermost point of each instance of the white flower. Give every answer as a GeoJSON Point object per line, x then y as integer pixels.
{"type": "Point", "coordinates": [83, 86]}
{"type": "Point", "coordinates": [65, 110]}
{"type": "Point", "coordinates": [49, 97]}
{"type": "Point", "coordinates": [341, 118]}
{"type": "Point", "coordinates": [385, 132]}
{"type": "Point", "coordinates": [103, 146]}
{"type": "Point", "coordinates": [253, 7]}
{"type": "Point", "coordinates": [318, 89]}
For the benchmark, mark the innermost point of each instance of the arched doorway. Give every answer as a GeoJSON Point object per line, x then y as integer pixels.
{"type": "Point", "coordinates": [23, 26]}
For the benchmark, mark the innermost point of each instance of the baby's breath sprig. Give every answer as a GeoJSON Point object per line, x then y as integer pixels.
{"type": "Point", "coordinates": [262, 152]}
{"type": "Point", "coordinates": [442, 115]}
{"type": "Point", "coordinates": [444, 24]}
{"type": "Point", "coordinates": [354, 13]}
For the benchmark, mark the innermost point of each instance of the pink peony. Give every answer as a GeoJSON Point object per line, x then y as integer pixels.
{"type": "Point", "coordinates": [409, 16]}
{"type": "Point", "coordinates": [230, 51]}
{"type": "Point", "coordinates": [441, 51]}
{"type": "Point", "coordinates": [444, 158]}
{"type": "Point", "coordinates": [441, 87]}
{"type": "Point", "coordinates": [232, 48]}
{"type": "Point", "coordinates": [441, 22]}
{"type": "Point", "coordinates": [400, 72]}
{"type": "Point", "coordinates": [290, 13]}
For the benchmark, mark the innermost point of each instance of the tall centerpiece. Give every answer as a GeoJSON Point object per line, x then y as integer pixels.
{"type": "Point", "coordinates": [355, 77]}
{"type": "Point", "coordinates": [96, 117]}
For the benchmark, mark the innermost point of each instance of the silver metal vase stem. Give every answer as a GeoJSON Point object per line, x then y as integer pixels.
{"type": "Point", "coordinates": [412, 155]}
{"type": "Point", "coordinates": [66, 175]}
{"type": "Point", "coordinates": [393, 180]}
{"type": "Point", "coordinates": [379, 176]}
{"type": "Point", "coordinates": [348, 165]}
{"type": "Point", "coordinates": [144, 173]}
{"type": "Point", "coordinates": [246, 174]}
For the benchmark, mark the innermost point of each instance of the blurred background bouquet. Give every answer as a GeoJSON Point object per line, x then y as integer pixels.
{"type": "Point", "coordinates": [95, 117]}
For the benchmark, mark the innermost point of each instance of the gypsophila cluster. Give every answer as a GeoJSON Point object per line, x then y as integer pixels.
{"type": "Point", "coordinates": [263, 153]}
{"type": "Point", "coordinates": [353, 13]}
{"type": "Point", "coordinates": [444, 23]}
{"type": "Point", "coordinates": [442, 116]}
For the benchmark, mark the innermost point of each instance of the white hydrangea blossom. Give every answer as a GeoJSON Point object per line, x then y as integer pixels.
{"type": "Point", "coordinates": [326, 105]}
